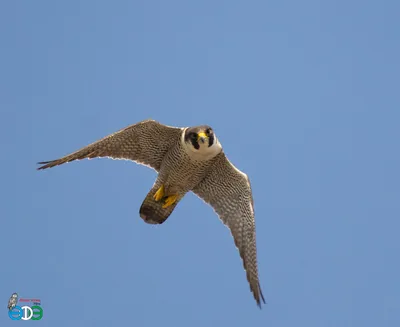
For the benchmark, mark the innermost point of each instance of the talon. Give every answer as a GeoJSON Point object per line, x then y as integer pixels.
{"type": "Point", "coordinates": [170, 200]}
{"type": "Point", "coordinates": [159, 194]}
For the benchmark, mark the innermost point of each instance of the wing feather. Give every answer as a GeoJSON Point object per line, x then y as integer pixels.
{"type": "Point", "coordinates": [145, 143]}
{"type": "Point", "coordinates": [228, 191]}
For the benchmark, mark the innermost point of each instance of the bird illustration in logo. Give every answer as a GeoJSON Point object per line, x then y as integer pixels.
{"type": "Point", "coordinates": [12, 302]}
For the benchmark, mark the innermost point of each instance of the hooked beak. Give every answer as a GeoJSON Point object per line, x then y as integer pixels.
{"type": "Point", "coordinates": [202, 137]}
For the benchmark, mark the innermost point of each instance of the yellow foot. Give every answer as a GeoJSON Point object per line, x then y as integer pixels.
{"type": "Point", "coordinates": [159, 194]}
{"type": "Point", "coordinates": [170, 200]}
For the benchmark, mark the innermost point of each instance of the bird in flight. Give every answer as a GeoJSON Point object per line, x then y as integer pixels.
{"type": "Point", "coordinates": [186, 159]}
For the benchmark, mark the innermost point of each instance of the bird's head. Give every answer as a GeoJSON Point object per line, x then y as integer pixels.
{"type": "Point", "coordinates": [201, 142]}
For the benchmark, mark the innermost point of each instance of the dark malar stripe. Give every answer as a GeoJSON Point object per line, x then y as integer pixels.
{"type": "Point", "coordinates": [195, 144]}
{"type": "Point", "coordinates": [210, 140]}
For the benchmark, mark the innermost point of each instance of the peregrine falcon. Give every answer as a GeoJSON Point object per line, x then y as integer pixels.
{"type": "Point", "coordinates": [12, 302]}
{"type": "Point", "coordinates": [186, 159]}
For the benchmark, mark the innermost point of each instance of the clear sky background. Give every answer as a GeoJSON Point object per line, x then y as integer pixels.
{"type": "Point", "coordinates": [305, 98]}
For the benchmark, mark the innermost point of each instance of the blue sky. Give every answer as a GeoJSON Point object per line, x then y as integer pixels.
{"type": "Point", "coordinates": [303, 95]}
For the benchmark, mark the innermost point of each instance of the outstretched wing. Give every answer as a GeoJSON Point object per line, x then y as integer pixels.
{"type": "Point", "coordinates": [228, 191]}
{"type": "Point", "coordinates": [145, 143]}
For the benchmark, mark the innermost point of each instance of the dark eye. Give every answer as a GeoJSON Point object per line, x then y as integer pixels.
{"type": "Point", "coordinates": [193, 136]}
{"type": "Point", "coordinates": [209, 131]}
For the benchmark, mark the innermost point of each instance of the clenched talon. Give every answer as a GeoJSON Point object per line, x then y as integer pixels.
{"type": "Point", "coordinates": [159, 194]}
{"type": "Point", "coordinates": [170, 200]}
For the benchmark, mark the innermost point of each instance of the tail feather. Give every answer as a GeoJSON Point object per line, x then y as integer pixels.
{"type": "Point", "coordinates": [152, 212]}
